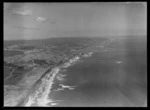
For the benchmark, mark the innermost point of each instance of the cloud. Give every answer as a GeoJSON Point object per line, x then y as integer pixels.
{"type": "Point", "coordinates": [24, 12]}
{"type": "Point", "coordinates": [40, 19]}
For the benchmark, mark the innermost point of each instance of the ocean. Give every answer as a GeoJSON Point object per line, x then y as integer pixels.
{"type": "Point", "coordinates": [116, 77]}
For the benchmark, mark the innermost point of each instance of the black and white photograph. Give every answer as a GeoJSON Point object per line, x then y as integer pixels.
{"type": "Point", "coordinates": [75, 54]}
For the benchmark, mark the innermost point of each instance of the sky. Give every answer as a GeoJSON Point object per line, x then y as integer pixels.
{"type": "Point", "coordinates": [98, 19]}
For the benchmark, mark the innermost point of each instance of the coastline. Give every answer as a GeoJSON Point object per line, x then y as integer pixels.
{"type": "Point", "coordinates": [43, 89]}
{"type": "Point", "coordinates": [44, 81]}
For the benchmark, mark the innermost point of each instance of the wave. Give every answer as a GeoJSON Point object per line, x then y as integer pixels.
{"type": "Point", "coordinates": [66, 86]}
{"type": "Point", "coordinates": [88, 55]}
{"type": "Point", "coordinates": [71, 61]}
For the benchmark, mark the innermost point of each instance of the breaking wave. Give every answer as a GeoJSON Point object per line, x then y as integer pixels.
{"type": "Point", "coordinates": [88, 55]}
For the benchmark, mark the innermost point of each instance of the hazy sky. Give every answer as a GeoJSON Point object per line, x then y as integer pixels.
{"type": "Point", "coordinates": [46, 20]}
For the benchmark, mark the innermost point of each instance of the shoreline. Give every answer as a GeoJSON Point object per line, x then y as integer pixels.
{"type": "Point", "coordinates": [42, 87]}
{"type": "Point", "coordinates": [33, 88]}
{"type": "Point", "coordinates": [41, 94]}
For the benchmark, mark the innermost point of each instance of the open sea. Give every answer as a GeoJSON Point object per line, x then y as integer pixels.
{"type": "Point", "coordinates": [113, 77]}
